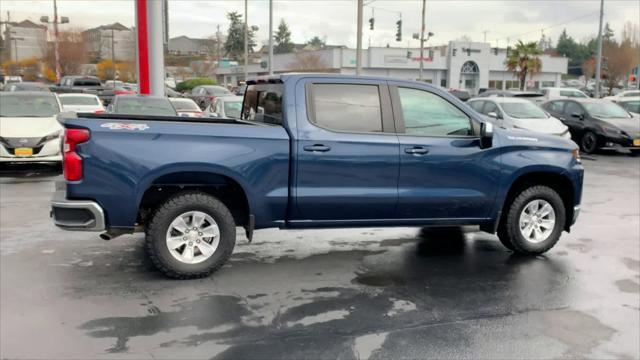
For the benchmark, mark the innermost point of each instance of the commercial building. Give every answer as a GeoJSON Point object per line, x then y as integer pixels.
{"type": "Point", "coordinates": [459, 64]}
{"type": "Point", "coordinates": [184, 45]}
{"type": "Point", "coordinates": [24, 40]}
{"type": "Point", "coordinates": [110, 41]}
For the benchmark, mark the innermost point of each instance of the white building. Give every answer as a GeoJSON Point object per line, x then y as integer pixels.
{"type": "Point", "coordinates": [460, 65]}
{"type": "Point", "coordinates": [25, 40]}
{"type": "Point", "coordinates": [101, 40]}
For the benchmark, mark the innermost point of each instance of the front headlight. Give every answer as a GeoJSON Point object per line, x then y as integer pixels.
{"type": "Point", "coordinates": [611, 130]}
{"type": "Point", "coordinates": [576, 155]}
{"type": "Point", "coordinates": [51, 136]}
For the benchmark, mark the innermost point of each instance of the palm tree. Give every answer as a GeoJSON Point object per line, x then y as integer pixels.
{"type": "Point", "coordinates": [523, 59]}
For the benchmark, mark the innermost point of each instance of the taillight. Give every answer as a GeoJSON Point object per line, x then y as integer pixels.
{"type": "Point", "coordinates": [99, 111]}
{"type": "Point", "coordinates": [122, 92]}
{"type": "Point", "coordinates": [72, 162]}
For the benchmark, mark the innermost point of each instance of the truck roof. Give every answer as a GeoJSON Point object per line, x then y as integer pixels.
{"type": "Point", "coordinates": [295, 76]}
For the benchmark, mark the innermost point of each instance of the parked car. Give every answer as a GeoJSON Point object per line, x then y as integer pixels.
{"type": "Point", "coordinates": [631, 104]}
{"type": "Point", "coordinates": [186, 107]}
{"type": "Point", "coordinates": [226, 106]}
{"type": "Point", "coordinates": [88, 85]}
{"type": "Point", "coordinates": [204, 95]}
{"type": "Point", "coordinates": [81, 103]}
{"type": "Point", "coordinates": [518, 113]}
{"type": "Point", "coordinates": [142, 105]}
{"type": "Point", "coordinates": [313, 151]}
{"type": "Point", "coordinates": [552, 93]}
{"type": "Point", "coordinates": [169, 92]}
{"type": "Point", "coordinates": [27, 86]}
{"type": "Point", "coordinates": [9, 79]}
{"type": "Point", "coordinates": [623, 94]}
{"type": "Point", "coordinates": [241, 89]}
{"type": "Point", "coordinates": [597, 124]}
{"type": "Point", "coordinates": [462, 95]}
{"type": "Point", "coordinates": [29, 130]}
{"type": "Point", "coordinates": [531, 95]}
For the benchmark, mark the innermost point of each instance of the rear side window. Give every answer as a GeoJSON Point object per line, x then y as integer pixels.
{"type": "Point", "coordinates": [263, 103]}
{"type": "Point", "coordinates": [86, 82]}
{"type": "Point", "coordinates": [555, 107]}
{"type": "Point", "coordinates": [347, 107]}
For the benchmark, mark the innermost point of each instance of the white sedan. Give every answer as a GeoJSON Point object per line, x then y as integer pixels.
{"type": "Point", "coordinates": [186, 107]}
{"type": "Point", "coordinates": [81, 103]}
{"type": "Point", "coordinates": [29, 130]}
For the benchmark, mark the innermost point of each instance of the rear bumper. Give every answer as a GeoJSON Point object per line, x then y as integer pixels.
{"type": "Point", "coordinates": [76, 215]}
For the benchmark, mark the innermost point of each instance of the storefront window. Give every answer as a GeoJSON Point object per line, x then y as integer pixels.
{"type": "Point", "coordinates": [495, 84]}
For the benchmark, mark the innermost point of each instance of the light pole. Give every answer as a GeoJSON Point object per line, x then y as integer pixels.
{"type": "Point", "coordinates": [359, 38]}
{"type": "Point", "coordinates": [599, 59]}
{"type": "Point", "coordinates": [246, 40]}
{"type": "Point", "coordinates": [424, 5]}
{"type": "Point", "coordinates": [55, 22]}
{"type": "Point", "coordinates": [270, 37]}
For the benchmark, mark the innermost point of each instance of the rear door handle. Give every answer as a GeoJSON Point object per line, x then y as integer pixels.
{"type": "Point", "coordinates": [317, 148]}
{"type": "Point", "coordinates": [416, 150]}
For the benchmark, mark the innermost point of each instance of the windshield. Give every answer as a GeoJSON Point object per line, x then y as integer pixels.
{"type": "Point", "coordinates": [218, 91]}
{"type": "Point", "coordinates": [144, 106]}
{"type": "Point", "coordinates": [79, 100]}
{"type": "Point", "coordinates": [232, 109]}
{"type": "Point", "coordinates": [523, 110]}
{"type": "Point", "coordinates": [185, 105]}
{"type": "Point", "coordinates": [28, 106]}
{"type": "Point", "coordinates": [605, 110]}
{"type": "Point", "coordinates": [633, 106]}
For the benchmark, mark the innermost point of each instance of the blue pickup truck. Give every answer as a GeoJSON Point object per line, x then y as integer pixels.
{"type": "Point", "coordinates": [313, 151]}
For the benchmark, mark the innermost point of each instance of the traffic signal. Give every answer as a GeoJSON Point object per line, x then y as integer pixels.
{"type": "Point", "coordinates": [399, 30]}
{"type": "Point", "coordinates": [371, 22]}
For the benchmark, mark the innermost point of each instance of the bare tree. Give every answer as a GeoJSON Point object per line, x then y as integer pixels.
{"type": "Point", "coordinates": [308, 62]}
{"type": "Point", "coordinates": [621, 59]}
{"type": "Point", "coordinates": [71, 47]}
{"type": "Point", "coordinates": [589, 68]}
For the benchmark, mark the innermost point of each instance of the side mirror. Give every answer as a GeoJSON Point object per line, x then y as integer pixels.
{"type": "Point", "coordinates": [486, 135]}
{"type": "Point", "coordinates": [493, 114]}
{"type": "Point", "coordinates": [577, 116]}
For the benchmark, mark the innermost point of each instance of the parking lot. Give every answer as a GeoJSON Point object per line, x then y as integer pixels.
{"type": "Point", "coordinates": [359, 293]}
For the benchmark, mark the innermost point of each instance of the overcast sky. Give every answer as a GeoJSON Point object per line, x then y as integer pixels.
{"type": "Point", "coordinates": [335, 19]}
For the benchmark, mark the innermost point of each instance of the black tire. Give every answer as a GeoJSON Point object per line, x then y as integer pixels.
{"type": "Point", "coordinates": [589, 142]}
{"type": "Point", "coordinates": [509, 230]}
{"type": "Point", "coordinates": [155, 242]}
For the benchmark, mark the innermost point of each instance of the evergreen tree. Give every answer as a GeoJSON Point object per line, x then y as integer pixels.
{"type": "Point", "coordinates": [607, 34]}
{"type": "Point", "coordinates": [234, 46]}
{"type": "Point", "coordinates": [283, 39]}
{"type": "Point", "coordinates": [316, 43]}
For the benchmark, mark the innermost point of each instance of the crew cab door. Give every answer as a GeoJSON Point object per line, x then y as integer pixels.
{"type": "Point", "coordinates": [346, 166]}
{"type": "Point", "coordinates": [444, 174]}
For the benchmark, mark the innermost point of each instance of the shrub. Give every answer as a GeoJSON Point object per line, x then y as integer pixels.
{"type": "Point", "coordinates": [191, 83]}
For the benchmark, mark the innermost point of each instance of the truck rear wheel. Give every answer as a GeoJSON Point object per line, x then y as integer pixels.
{"type": "Point", "coordinates": [190, 235]}
{"type": "Point", "coordinates": [533, 221]}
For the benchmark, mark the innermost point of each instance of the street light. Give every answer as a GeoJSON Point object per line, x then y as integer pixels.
{"type": "Point", "coordinates": [55, 22]}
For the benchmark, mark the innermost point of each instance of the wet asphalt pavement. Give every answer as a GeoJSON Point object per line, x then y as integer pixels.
{"type": "Point", "coordinates": [331, 294]}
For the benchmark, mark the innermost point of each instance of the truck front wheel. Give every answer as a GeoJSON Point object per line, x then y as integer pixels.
{"type": "Point", "coordinates": [190, 235]}
{"type": "Point", "coordinates": [534, 221]}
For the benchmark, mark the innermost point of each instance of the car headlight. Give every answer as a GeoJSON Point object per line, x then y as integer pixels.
{"type": "Point", "coordinates": [576, 155]}
{"type": "Point", "coordinates": [51, 136]}
{"type": "Point", "coordinates": [611, 130]}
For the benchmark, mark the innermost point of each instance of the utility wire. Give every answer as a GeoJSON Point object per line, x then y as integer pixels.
{"type": "Point", "coordinates": [548, 27]}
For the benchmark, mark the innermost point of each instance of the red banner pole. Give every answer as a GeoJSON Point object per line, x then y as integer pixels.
{"type": "Point", "coordinates": [143, 46]}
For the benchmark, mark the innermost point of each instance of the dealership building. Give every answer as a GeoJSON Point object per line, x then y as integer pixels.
{"type": "Point", "coordinates": [459, 64]}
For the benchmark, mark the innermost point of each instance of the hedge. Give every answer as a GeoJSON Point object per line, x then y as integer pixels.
{"type": "Point", "coordinates": [191, 83]}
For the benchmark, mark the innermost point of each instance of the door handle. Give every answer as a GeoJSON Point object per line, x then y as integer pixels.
{"type": "Point", "coordinates": [416, 150]}
{"type": "Point", "coordinates": [317, 148]}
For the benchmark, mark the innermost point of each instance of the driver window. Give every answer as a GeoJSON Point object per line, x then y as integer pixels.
{"type": "Point", "coordinates": [427, 114]}
{"type": "Point", "coordinates": [573, 108]}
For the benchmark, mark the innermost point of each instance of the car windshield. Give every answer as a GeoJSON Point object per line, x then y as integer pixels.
{"type": "Point", "coordinates": [185, 105]}
{"type": "Point", "coordinates": [79, 100]}
{"type": "Point", "coordinates": [633, 106]}
{"type": "Point", "coordinates": [523, 110]}
{"type": "Point", "coordinates": [605, 110]}
{"type": "Point", "coordinates": [144, 106]}
{"type": "Point", "coordinates": [28, 106]}
{"type": "Point", "coordinates": [232, 109]}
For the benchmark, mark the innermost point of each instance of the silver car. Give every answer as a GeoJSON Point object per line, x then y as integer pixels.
{"type": "Point", "coordinates": [515, 113]}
